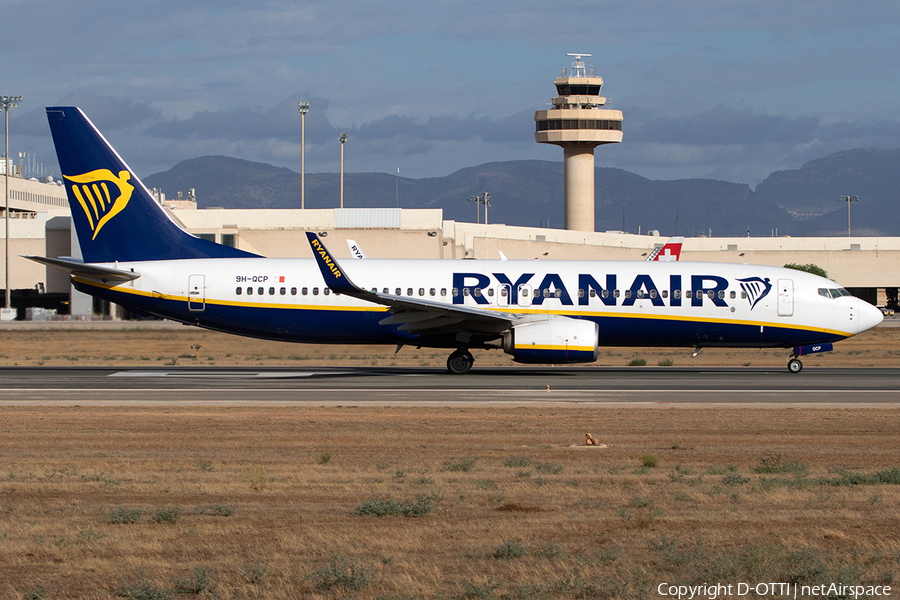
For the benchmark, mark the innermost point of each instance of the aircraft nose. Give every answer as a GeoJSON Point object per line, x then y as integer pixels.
{"type": "Point", "coordinates": [869, 316]}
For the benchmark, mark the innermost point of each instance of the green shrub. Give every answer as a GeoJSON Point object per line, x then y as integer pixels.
{"type": "Point", "coordinates": [649, 460]}
{"type": "Point", "coordinates": [166, 514]}
{"type": "Point", "coordinates": [36, 593]}
{"type": "Point", "coordinates": [666, 362]}
{"type": "Point", "coordinates": [638, 362]}
{"type": "Point", "coordinates": [509, 551]}
{"type": "Point", "coordinates": [551, 468]}
{"type": "Point", "coordinates": [255, 573]}
{"type": "Point", "coordinates": [734, 479]}
{"type": "Point", "coordinates": [463, 464]}
{"type": "Point", "coordinates": [517, 461]}
{"type": "Point", "coordinates": [121, 516]}
{"type": "Point", "coordinates": [217, 510]}
{"type": "Point", "coordinates": [324, 458]}
{"type": "Point", "coordinates": [771, 462]}
{"type": "Point", "coordinates": [386, 507]}
{"type": "Point", "coordinates": [199, 582]}
{"type": "Point", "coordinates": [342, 573]}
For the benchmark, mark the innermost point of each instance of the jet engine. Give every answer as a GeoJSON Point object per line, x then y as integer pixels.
{"type": "Point", "coordinates": [553, 340]}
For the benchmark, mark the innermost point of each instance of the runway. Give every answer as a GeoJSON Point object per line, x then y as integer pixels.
{"type": "Point", "coordinates": [434, 387]}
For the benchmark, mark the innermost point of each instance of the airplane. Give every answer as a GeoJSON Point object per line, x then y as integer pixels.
{"type": "Point", "coordinates": [540, 312]}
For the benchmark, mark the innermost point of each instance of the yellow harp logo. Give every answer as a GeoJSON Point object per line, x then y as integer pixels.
{"type": "Point", "coordinates": [93, 193]}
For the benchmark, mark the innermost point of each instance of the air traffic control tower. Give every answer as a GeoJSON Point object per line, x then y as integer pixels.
{"type": "Point", "coordinates": [578, 124]}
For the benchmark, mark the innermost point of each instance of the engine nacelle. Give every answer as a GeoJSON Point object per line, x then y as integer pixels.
{"type": "Point", "coordinates": [555, 340]}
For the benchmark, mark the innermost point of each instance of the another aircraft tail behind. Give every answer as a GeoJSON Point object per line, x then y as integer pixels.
{"type": "Point", "coordinates": [114, 215]}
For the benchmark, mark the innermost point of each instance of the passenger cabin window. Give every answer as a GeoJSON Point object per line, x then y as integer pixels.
{"type": "Point", "coordinates": [455, 292]}
{"type": "Point", "coordinates": [431, 292]}
{"type": "Point", "coordinates": [326, 291]}
{"type": "Point", "coordinates": [616, 293]}
{"type": "Point", "coordinates": [249, 291]}
{"type": "Point", "coordinates": [239, 291]}
{"type": "Point", "coordinates": [304, 291]}
{"type": "Point", "coordinates": [260, 291]}
{"type": "Point", "coordinates": [605, 294]}
{"type": "Point", "coordinates": [665, 293]}
{"type": "Point", "coordinates": [676, 294]}
{"type": "Point", "coordinates": [271, 291]}
{"type": "Point", "coordinates": [628, 293]}
{"type": "Point", "coordinates": [443, 291]}
{"type": "Point", "coordinates": [593, 293]}
{"type": "Point", "coordinates": [315, 291]}
{"type": "Point", "coordinates": [283, 291]}
{"type": "Point", "coordinates": [293, 291]}
{"type": "Point", "coordinates": [409, 292]}
{"type": "Point", "coordinates": [397, 291]}
{"type": "Point", "coordinates": [733, 294]}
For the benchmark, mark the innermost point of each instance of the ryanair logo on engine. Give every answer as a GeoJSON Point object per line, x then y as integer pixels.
{"type": "Point", "coordinates": [102, 195]}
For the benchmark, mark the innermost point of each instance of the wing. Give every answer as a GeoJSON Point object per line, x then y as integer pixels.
{"type": "Point", "coordinates": [416, 315]}
{"type": "Point", "coordinates": [81, 269]}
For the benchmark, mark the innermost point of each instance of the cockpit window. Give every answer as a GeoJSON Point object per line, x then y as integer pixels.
{"type": "Point", "coordinates": [833, 292]}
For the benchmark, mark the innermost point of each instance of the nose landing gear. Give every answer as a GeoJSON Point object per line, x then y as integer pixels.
{"type": "Point", "coordinates": [794, 365]}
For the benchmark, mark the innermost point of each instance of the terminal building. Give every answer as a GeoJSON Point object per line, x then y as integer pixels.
{"type": "Point", "coordinates": [40, 225]}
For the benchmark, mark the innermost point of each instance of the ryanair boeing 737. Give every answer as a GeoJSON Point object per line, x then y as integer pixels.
{"type": "Point", "coordinates": [544, 311]}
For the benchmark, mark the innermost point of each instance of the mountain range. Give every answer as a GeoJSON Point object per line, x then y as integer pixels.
{"type": "Point", "coordinates": [800, 202]}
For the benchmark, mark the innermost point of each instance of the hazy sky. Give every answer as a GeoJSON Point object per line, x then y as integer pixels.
{"type": "Point", "coordinates": [709, 88]}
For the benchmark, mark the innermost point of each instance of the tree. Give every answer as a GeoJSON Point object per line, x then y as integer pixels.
{"type": "Point", "coordinates": [810, 268]}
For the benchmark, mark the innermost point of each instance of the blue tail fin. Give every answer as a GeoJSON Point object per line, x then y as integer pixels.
{"type": "Point", "coordinates": [114, 215]}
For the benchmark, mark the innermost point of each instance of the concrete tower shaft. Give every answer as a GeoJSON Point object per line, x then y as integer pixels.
{"type": "Point", "coordinates": [578, 124]}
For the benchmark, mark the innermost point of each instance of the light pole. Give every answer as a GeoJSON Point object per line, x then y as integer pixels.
{"type": "Point", "coordinates": [476, 200]}
{"type": "Point", "coordinates": [7, 102]}
{"type": "Point", "coordinates": [304, 108]}
{"type": "Point", "coordinates": [343, 137]}
{"type": "Point", "coordinates": [849, 200]}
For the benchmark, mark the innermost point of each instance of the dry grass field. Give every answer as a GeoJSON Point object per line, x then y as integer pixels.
{"type": "Point", "coordinates": [167, 344]}
{"type": "Point", "coordinates": [448, 503]}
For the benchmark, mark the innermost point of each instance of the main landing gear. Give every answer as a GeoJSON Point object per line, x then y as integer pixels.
{"type": "Point", "coordinates": [794, 365]}
{"type": "Point", "coordinates": [460, 362]}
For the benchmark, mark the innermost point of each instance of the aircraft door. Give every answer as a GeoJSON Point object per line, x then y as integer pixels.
{"type": "Point", "coordinates": [503, 295]}
{"type": "Point", "coordinates": [196, 292]}
{"type": "Point", "coordinates": [785, 297]}
{"type": "Point", "coordinates": [524, 295]}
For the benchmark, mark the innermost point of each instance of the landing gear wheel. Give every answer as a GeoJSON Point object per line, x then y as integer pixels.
{"type": "Point", "coordinates": [460, 362]}
{"type": "Point", "coordinates": [795, 366]}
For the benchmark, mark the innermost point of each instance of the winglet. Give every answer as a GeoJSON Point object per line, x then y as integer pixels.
{"type": "Point", "coordinates": [334, 275]}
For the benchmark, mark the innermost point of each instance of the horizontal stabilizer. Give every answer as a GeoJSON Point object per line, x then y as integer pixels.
{"type": "Point", "coordinates": [80, 269]}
